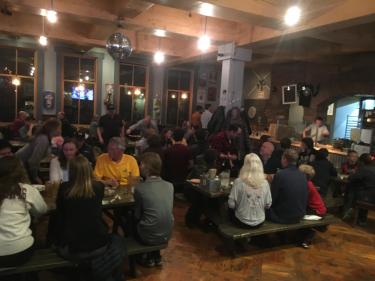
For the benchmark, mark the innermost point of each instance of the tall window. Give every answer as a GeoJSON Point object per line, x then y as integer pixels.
{"type": "Point", "coordinates": [16, 63]}
{"type": "Point", "coordinates": [133, 91]}
{"type": "Point", "coordinates": [79, 89]}
{"type": "Point", "coordinates": [179, 96]}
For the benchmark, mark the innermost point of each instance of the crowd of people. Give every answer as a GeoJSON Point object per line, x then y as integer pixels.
{"type": "Point", "coordinates": [273, 182]}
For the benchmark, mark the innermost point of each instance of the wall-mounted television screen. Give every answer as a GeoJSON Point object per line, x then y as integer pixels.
{"type": "Point", "coordinates": [85, 94]}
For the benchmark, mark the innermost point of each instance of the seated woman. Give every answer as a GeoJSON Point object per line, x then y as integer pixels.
{"type": "Point", "coordinates": [39, 148]}
{"type": "Point", "coordinates": [59, 166]}
{"type": "Point", "coordinates": [17, 199]}
{"type": "Point", "coordinates": [315, 205]}
{"type": "Point", "coordinates": [81, 232]}
{"type": "Point", "coordinates": [250, 195]}
{"type": "Point", "coordinates": [154, 207]}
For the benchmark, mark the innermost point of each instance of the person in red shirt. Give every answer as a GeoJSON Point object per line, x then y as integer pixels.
{"type": "Point", "coordinates": [315, 205]}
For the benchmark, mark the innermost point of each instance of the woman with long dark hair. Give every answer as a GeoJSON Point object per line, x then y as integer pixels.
{"type": "Point", "coordinates": [59, 166]}
{"type": "Point", "coordinates": [39, 148]}
{"type": "Point", "coordinates": [17, 200]}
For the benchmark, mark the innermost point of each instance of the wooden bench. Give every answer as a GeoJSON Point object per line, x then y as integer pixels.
{"type": "Point", "coordinates": [46, 259]}
{"type": "Point", "coordinates": [231, 233]}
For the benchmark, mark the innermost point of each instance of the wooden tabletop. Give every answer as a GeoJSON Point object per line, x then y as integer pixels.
{"type": "Point", "coordinates": [207, 193]}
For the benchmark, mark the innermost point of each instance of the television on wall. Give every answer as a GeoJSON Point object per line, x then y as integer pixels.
{"type": "Point", "coordinates": [289, 94]}
{"type": "Point", "coordinates": [85, 94]}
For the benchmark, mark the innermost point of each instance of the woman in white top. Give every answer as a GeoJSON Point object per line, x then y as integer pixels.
{"type": "Point", "coordinates": [251, 194]}
{"type": "Point", "coordinates": [16, 201]}
{"type": "Point", "coordinates": [58, 169]}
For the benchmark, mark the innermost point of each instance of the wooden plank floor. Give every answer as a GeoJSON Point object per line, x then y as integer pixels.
{"type": "Point", "coordinates": [342, 253]}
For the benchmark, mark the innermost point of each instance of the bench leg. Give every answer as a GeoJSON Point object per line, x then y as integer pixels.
{"type": "Point", "coordinates": [132, 266]}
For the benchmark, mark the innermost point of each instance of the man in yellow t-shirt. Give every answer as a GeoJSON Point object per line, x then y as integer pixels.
{"type": "Point", "coordinates": [114, 168]}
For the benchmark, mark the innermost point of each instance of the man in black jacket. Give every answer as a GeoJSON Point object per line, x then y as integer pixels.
{"type": "Point", "coordinates": [289, 191]}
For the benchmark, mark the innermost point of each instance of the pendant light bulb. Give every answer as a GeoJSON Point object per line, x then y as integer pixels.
{"type": "Point", "coordinates": [204, 43]}
{"type": "Point", "coordinates": [159, 57]}
{"type": "Point", "coordinates": [43, 40]}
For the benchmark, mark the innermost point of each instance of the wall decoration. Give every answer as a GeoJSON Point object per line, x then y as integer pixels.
{"type": "Point", "coordinates": [259, 85]}
{"type": "Point", "coordinates": [109, 94]}
{"type": "Point", "coordinates": [201, 94]}
{"type": "Point", "coordinates": [212, 94]}
{"type": "Point", "coordinates": [49, 103]}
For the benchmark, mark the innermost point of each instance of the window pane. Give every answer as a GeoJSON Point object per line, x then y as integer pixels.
{"type": "Point", "coordinates": [139, 76]}
{"type": "Point", "coordinates": [8, 99]}
{"type": "Point", "coordinates": [183, 108]}
{"type": "Point", "coordinates": [25, 94]}
{"type": "Point", "coordinates": [70, 103]}
{"type": "Point", "coordinates": [71, 68]}
{"type": "Point", "coordinates": [25, 61]}
{"type": "Point", "coordinates": [7, 60]}
{"type": "Point", "coordinates": [172, 106]}
{"type": "Point", "coordinates": [87, 72]}
{"type": "Point", "coordinates": [185, 80]}
{"type": "Point", "coordinates": [139, 106]}
{"type": "Point", "coordinates": [173, 77]}
{"type": "Point", "coordinates": [87, 104]}
{"type": "Point", "coordinates": [126, 74]}
{"type": "Point", "coordinates": [126, 103]}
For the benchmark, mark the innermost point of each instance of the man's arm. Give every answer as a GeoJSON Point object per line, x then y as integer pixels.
{"type": "Point", "coordinates": [307, 129]}
{"type": "Point", "coordinates": [100, 137]}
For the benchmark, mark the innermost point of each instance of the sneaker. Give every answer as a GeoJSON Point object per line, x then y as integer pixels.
{"type": "Point", "coordinates": [305, 245]}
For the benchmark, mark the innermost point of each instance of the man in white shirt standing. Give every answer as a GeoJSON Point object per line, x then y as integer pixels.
{"type": "Point", "coordinates": [206, 116]}
{"type": "Point", "coordinates": [318, 131]}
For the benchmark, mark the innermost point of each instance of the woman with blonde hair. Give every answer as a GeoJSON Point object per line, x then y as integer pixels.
{"type": "Point", "coordinates": [81, 231]}
{"type": "Point", "coordinates": [250, 195]}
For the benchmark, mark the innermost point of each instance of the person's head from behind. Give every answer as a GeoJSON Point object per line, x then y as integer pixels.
{"type": "Point", "coordinates": [11, 174]}
{"type": "Point", "coordinates": [252, 172]}
{"type": "Point", "coordinates": [318, 121]}
{"type": "Point", "coordinates": [210, 157]}
{"type": "Point", "coordinates": [322, 154]}
{"type": "Point", "coordinates": [110, 109]}
{"type": "Point", "coordinates": [365, 160]}
{"type": "Point", "coordinates": [285, 143]}
{"type": "Point", "coordinates": [233, 131]}
{"type": "Point", "coordinates": [266, 149]}
{"type": "Point", "coordinates": [51, 128]}
{"type": "Point", "coordinates": [208, 107]}
{"type": "Point", "coordinates": [178, 134]}
{"type": "Point", "coordinates": [80, 178]}
{"type": "Point", "coordinates": [154, 141]}
{"type": "Point", "coordinates": [116, 148]}
{"type": "Point", "coordinates": [79, 138]}
{"type": "Point", "coordinates": [61, 115]}
{"type": "Point", "coordinates": [22, 115]}
{"type": "Point", "coordinates": [307, 144]}
{"type": "Point", "coordinates": [5, 148]}
{"type": "Point", "coordinates": [199, 108]}
{"type": "Point", "coordinates": [290, 157]}
{"type": "Point", "coordinates": [307, 170]}
{"type": "Point", "coordinates": [150, 165]}
{"type": "Point", "coordinates": [352, 157]}
{"type": "Point", "coordinates": [235, 113]}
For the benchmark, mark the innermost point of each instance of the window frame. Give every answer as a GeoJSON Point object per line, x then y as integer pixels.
{"type": "Point", "coordinates": [35, 78]}
{"type": "Point", "coordinates": [145, 88]}
{"type": "Point", "coordinates": [95, 83]}
{"type": "Point", "coordinates": [190, 94]}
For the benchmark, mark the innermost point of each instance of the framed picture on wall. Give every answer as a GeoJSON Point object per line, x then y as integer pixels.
{"type": "Point", "coordinates": [211, 94]}
{"type": "Point", "coordinates": [49, 103]}
{"type": "Point", "coordinates": [201, 93]}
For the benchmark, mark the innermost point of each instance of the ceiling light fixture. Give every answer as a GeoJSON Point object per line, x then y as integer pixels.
{"type": "Point", "coordinates": [204, 42]}
{"type": "Point", "coordinates": [292, 16]}
{"type": "Point", "coordinates": [43, 39]}
{"type": "Point", "coordinates": [160, 32]}
{"type": "Point", "coordinates": [206, 9]}
{"type": "Point", "coordinates": [159, 57]}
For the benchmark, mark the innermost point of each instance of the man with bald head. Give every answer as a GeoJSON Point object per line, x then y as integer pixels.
{"type": "Point", "coordinates": [270, 162]}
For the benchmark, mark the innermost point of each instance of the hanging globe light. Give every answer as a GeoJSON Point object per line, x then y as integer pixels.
{"type": "Point", "coordinates": [119, 46]}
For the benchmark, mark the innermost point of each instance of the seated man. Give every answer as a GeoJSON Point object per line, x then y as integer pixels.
{"type": "Point", "coordinates": [224, 144]}
{"type": "Point", "coordinates": [324, 171]}
{"type": "Point", "coordinates": [143, 125]}
{"type": "Point", "coordinates": [154, 207]}
{"type": "Point", "coordinates": [269, 159]}
{"type": "Point", "coordinates": [350, 166]}
{"type": "Point", "coordinates": [289, 191]}
{"type": "Point", "coordinates": [114, 168]}
{"type": "Point", "coordinates": [177, 160]}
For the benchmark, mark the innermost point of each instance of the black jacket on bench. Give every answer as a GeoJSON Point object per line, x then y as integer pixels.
{"type": "Point", "coordinates": [289, 196]}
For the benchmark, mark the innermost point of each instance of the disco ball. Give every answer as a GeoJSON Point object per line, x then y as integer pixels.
{"type": "Point", "coordinates": [119, 46]}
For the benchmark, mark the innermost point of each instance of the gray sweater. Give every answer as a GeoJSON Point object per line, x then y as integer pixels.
{"type": "Point", "coordinates": [33, 153]}
{"type": "Point", "coordinates": [154, 207]}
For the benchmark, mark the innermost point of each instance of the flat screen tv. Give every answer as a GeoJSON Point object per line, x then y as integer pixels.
{"type": "Point", "coordinates": [85, 94]}
{"type": "Point", "coordinates": [289, 94]}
